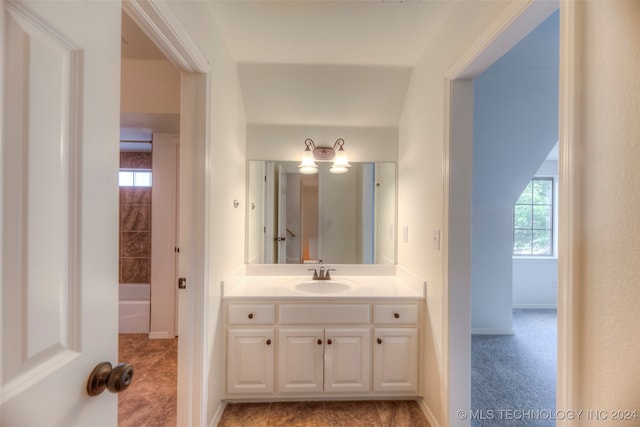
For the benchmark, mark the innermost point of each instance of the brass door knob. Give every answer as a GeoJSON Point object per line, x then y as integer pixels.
{"type": "Point", "coordinates": [250, 316]}
{"type": "Point", "coordinates": [379, 341]}
{"type": "Point", "coordinates": [268, 342]}
{"type": "Point", "coordinates": [329, 342]}
{"type": "Point", "coordinates": [319, 342]}
{"type": "Point", "coordinates": [104, 376]}
{"type": "Point", "coordinates": [396, 315]}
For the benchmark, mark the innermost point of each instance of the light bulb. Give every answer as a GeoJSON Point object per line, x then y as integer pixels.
{"type": "Point", "coordinates": [308, 164]}
{"type": "Point", "coordinates": [338, 169]}
{"type": "Point", "coordinates": [340, 162]}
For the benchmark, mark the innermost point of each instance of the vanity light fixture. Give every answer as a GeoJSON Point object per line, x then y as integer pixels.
{"type": "Point", "coordinates": [324, 154]}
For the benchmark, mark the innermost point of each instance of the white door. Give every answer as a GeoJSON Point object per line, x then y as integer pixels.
{"type": "Point", "coordinates": [282, 215]}
{"type": "Point", "coordinates": [270, 206]}
{"type": "Point", "coordinates": [300, 360]}
{"type": "Point", "coordinates": [59, 224]}
{"type": "Point", "coordinates": [250, 357]}
{"type": "Point", "coordinates": [395, 360]}
{"type": "Point", "coordinates": [347, 357]}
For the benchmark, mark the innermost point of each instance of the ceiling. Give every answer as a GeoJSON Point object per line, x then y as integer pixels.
{"type": "Point", "coordinates": [140, 126]}
{"type": "Point", "coordinates": [318, 62]}
{"type": "Point", "coordinates": [134, 42]}
{"type": "Point", "coordinates": [329, 32]}
{"type": "Point", "coordinates": [326, 63]}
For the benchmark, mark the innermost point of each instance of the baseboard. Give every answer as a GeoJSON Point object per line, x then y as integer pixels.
{"type": "Point", "coordinates": [218, 415]}
{"type": "Point", "coordinates": [427, 413]}
{"type": "Point", "coordinates": [159, 335]}
{"type": "Point", "coordinates": [536, 306]}
{"type": "Point", "coordinates": [491, 331]}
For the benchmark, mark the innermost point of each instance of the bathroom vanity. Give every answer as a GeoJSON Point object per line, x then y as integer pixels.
{"type": "Point", "coordinates": [290, 337]}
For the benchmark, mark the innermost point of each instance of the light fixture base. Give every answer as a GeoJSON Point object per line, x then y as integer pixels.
{"type": "Point", "coordinates": [324, 153]}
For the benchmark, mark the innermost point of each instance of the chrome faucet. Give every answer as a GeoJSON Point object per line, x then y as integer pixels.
{"type": "Point", "coordinates": [323, 274]}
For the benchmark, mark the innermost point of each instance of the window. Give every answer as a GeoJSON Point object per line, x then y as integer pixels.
{"type": "Point", "coordinates": [533, 219]}
{"type": "Point", "coordinates": [134, 178]}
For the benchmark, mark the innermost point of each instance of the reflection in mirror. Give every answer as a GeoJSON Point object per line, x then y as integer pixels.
{"type": "Point", "coordinates": [347, 218]}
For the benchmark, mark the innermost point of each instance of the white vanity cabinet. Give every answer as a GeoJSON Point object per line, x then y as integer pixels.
{"type": "Point", "coordinates": [320, 358]}
{"type": "Point", "coordinates": [250, 348]}
{"type": "Point", "coordinates": [312, 347]}
{"type": "Point", "coordinates": [323, 360]}
{"type": "Point", "coordinates": [395, 351]}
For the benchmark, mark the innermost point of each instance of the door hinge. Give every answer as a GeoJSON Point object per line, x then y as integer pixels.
{"type": "Point", "coordinates": [182, 283]}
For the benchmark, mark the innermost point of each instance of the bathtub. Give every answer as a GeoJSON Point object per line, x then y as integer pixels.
{"type": "Point", "coordinates": [134, 308]}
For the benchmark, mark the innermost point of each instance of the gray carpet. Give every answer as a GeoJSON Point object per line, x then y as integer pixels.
{"type": "Point", "coordinates": [513, 378]}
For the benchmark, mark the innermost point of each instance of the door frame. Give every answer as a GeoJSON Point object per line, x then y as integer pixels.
{"type": "Point", "coordinates": [517, 20]}
{"type": "Point", "coordinates": [159, 23]}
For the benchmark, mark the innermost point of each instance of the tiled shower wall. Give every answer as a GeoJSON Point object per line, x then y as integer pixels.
{"type": "Point", "coordinates": [135, 224]}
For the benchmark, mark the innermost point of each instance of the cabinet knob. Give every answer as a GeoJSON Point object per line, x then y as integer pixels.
{"type": "Point", "coordinates": [379, 340]}
{"type": "Point", "coordinates": [396, 315]}
{"type": "Point", "coordinates": [268, 342]}
{"type": "Point", "coordinates": [329, 342]}
{"type": "Point", "coordinates": [250, 316]}
{"type": "Point", "coordinates": [319, 342]}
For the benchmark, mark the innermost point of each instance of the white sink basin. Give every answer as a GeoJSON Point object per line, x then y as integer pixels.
{"type": "Point", "coordinates": [322, 286]}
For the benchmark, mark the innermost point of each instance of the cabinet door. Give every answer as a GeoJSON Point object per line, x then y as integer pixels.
{"type": "Point", "coordinates": [395, 360]}
{"type": "Point", "coordinates": [300, 360]}
{"type": "Point", "coordinates": [250, 358]}
{"type": "Point", "coordinates": [347, 359]}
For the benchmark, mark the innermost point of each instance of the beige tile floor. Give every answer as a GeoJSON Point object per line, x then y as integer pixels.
{"type": "Point", "coordinates": [370, 413]}
{"type": "Point", "coordinates": [150, 400]}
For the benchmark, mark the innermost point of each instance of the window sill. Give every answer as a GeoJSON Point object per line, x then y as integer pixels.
{"type": "Point", "coordinates": [535, 258]}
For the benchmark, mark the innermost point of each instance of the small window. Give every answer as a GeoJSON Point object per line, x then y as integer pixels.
{"type": "Point", "coordinates": [533, 219]}
{"type": "Point", "coordinates": [135, 178]}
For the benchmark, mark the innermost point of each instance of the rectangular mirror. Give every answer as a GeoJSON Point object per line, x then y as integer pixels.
{"type": "Point", "coordinates": [347, 218]}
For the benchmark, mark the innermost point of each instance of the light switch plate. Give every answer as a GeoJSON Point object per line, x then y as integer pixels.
{"type": "Point", "coordinates": [436, 240]}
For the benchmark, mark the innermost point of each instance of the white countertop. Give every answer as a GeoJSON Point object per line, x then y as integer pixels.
{"type": "Point", "coordinates": [284, 286]}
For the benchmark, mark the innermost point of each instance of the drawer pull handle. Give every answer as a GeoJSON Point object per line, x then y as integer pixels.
{"type": "Point", "coordinates": [329, 342]}
{"type": "Point", "coordinates": [268, 342]}
{"type": "Point", "coordinates": [250, 316]}
{"type": "Point", "coordinates": [319, 342]}
{"type": "Point", "coordinates": [379, 340]}
{"type": "Point", "coordinates": [396, 315]}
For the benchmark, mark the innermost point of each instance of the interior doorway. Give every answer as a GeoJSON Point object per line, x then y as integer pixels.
{"type": "Point", "coordinates": [150, 136]}
{"type": "Point", "coordinates": [515, 127]}
{"type": "Point", "coordinates": [508, 30]}
{"type": "Point", "coordinates": [160, 25]}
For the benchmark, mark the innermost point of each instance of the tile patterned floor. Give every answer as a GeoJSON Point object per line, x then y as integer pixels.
{"type": "Point", "coordinates": [370, 413]}
{"type": "Point", "coordinates": [151, 398]}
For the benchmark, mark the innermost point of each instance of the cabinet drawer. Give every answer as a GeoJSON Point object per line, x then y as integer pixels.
{"type": "Point", "coordinates": [326, 314]}
{"type": "Point", "coordinates": [251, 314]}
{"type": "Point", "coordinates": [395, 314]}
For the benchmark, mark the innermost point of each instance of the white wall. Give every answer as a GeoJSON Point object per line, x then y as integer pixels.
{"type": "Point", "coordinates": [338, 222]}
{"type": "Point", "coordinates": [255, 214]}
{"type": "Point", "coordinates": [163, 236]}
{"type": "Point", "coordinates": [149, 86]}
{"type": "Point", "coordinates": [227, 178]}
{"type": "Point", "coordinates": [515, 127]}
{"type": "Point", "coordinates": [601, 165]}
{"type": "Point", "coordinates": [385, 213]}
{"type": "Point", "coordinates": [535, 282]}
{"type": "Point", "coordinates": [421, 184]}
